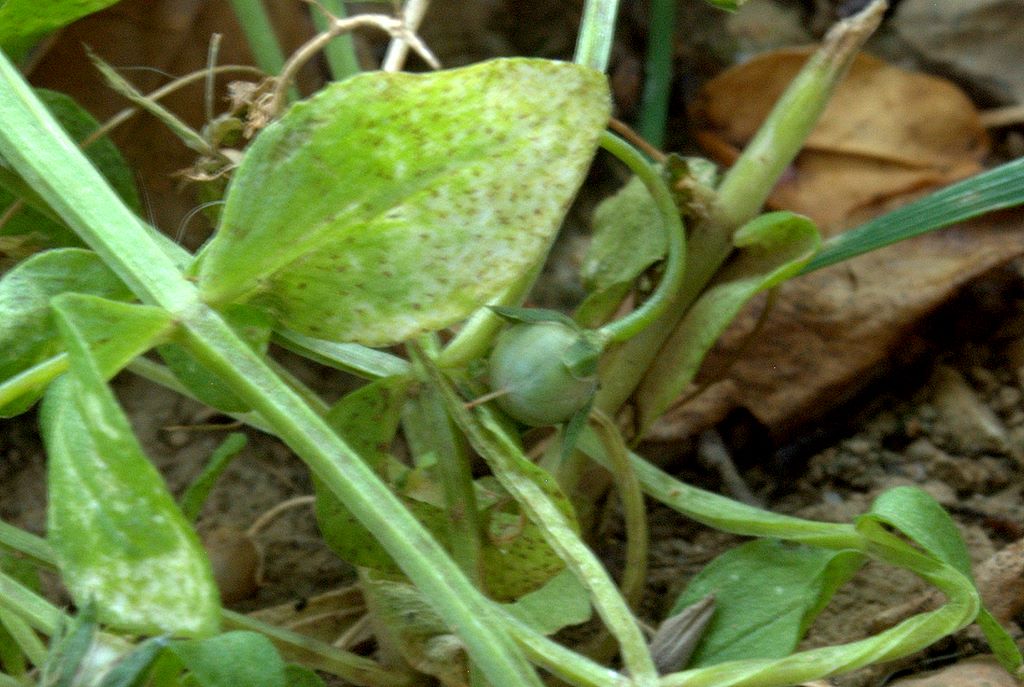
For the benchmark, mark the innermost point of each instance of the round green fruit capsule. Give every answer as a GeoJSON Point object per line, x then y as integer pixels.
{"type": "Point", "coordinates": [528, 365]}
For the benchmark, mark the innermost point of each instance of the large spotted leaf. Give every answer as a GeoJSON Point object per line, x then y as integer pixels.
{"type": "Point", "coordinates": [393, 204]}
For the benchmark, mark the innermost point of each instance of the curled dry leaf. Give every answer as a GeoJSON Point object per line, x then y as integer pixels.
{"type": "Point", "coordinates": [887, 135]}
{"type": "Point", "coordinates": [834, 331]}
{"type": "Point", "coordinates": [887, 131]}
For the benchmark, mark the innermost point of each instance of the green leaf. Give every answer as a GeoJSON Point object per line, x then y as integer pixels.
{"type": "Point", "coordinates": [367, 419]}
{"type": "Point", "coordinates": [392, 204]}
{"type": "Point", "coordinates": [629, 237]}
{"type": "Point", "coordinates": [766, 595]}
{"type": "Point", "coordinates": [920, 517]}
{"type": "Point", "coordinates": [35, 224]}
{"type": "Point", "coordinates": [115, 332]}
{"type": "Point", "coordinates": [27, 333]}
{"type": "Point", "coordinates": [253, 326]}
{"type": "Point", "coordinates": [22, 21]}
{"type": "Point", "coordinates": [232, 659]}
{"type": "Point", "coordinates": [562, 601]}
{"type": "Point", "coordinates": [770, 249]}
{"type": "Point", "coordinates": [996, 189]}
{"type": "Point", "coordinates": [194, 497]}
{"type": "Point", "coordinates": [120, 540]}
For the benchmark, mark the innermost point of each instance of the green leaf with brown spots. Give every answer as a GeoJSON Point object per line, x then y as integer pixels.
{"type": "Point", "coordinates": [121, 541]}
{"type": "Point", "coordinates": [391, 204]}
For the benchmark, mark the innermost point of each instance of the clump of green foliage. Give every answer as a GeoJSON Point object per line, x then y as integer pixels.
{"type": "Point", "coordinates": [377, 214]}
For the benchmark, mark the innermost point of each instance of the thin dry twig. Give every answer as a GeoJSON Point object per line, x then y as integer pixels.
{"type": "Point", "coordinates": [398, 49]}
{"type": "Point", "coordinates": [390, 25]}
{"type": "Point", "coordinates": [1002, 116]}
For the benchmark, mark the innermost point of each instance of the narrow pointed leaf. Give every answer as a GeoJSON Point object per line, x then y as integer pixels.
{"type": "Point", "coordinates": [771, 249]}
{"type": "Point", "coordinates": [121, 541]}
{"type": "Point", "coordinates": [391, 204]}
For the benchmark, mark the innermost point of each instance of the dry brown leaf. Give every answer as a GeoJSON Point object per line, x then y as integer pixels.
{"type": "Point", "coordinates": [834, 331]}
{"type": "Point", "coordinates": [981, 671]}
{"type": "Point", "coordinates": [885, 132]}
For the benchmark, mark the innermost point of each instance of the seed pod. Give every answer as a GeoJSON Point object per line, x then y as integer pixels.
{"type": "Point", "coordinates": [529, 364]}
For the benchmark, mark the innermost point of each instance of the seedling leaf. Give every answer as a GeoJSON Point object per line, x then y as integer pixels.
{"type": "Point", "coordinates": [27, 332]}
{"type": "Point", "coordinates": [920, 517]}
{"type": "Point", "coordinates": [120, 540]}
{"type": "Point", "coordinates": [391, 204]}
{"type": "Point", "coordinates": [771, 249]}
{"type": "Point", "coordinates": [629, 237]}
{"type": "Point", "coordinates": [766, 595]}
{"type": "Point", "coordinates": [232, 659]}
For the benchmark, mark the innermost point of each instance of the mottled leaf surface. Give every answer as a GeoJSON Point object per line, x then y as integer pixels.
{"type": "Point", "coordinates": [121, 541]}
{"type": "Point", "coordinates": [392, 204]}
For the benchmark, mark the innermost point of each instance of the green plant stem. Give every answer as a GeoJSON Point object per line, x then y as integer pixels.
{"type": "Point", "coordinates": [24, 636]}
{"type": "Point", "coordinates": [340, 52]}
{"type": "Point", "coordinates": [634, 575]}
{"type": "Point", "coordinates": [511, 467]}
{"type": "Point", "coordinates": [597, 31]}
{"type": "Point", "coordinates": [477, 334]}
{"type": "Point", "coordinates": [16, 539]}
{"type": "Point", "coordinates": [740, 196]}
{"type": "Point", "coordinates": [561, 661]}
{"type": "Point", "coordinates": [37, 148]}
{"type": "Point", "coordinates": [34, 609]}
{"type": "Point", "coordinates": [32, 379]}
{"type": "Point", "coordinates": [657, 73]}
{"type": "Point", "coordinates": [723, 513]}
{"type": "Point", "coordinates": [675, 239]}
{"type": "Point", "coordinates": [318, 655]}
{"type": "Point", "coordinates": [259, 33]}
{"type": "Point", "coordinates": [429, 430]}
